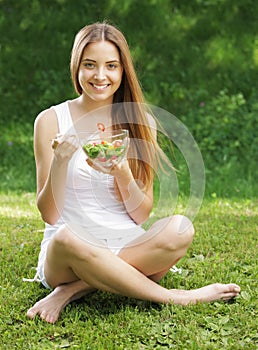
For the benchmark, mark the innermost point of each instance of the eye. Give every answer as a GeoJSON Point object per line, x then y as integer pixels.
{"type": "Point", "coordinates": [112, 66]}
{"type": "Point", "coordinates": [89, 65]}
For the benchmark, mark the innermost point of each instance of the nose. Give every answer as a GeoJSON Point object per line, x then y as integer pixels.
{"type": "Point", "coordinates": [100, 74]}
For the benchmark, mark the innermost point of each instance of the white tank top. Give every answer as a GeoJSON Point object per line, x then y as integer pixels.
{"type": "Point", "coordinates": [90, 200]}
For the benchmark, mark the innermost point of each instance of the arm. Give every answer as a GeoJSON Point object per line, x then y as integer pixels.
{"type": "Point", "coordinates": [138, 204]}
{"type": "Point", "coordinates": [51, 166]}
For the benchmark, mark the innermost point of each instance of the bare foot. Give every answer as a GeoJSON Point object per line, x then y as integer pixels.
{"type": "Point", "coordinates": [212, 292]}
{"type": "Point", "coordinates": [50, 307]}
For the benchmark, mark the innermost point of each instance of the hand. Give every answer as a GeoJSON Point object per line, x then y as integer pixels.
{"type": "Point", "coordinates": [64, 146]}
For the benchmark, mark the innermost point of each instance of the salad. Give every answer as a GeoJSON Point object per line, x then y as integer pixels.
{"type": "Point", "coordinates": [104, 151]}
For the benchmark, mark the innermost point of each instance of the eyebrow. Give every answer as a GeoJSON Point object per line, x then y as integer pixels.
{"type": "Point", "coordinates": [90, 60]}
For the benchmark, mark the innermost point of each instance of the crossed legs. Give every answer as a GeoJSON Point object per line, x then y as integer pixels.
{"type": "Point", "coordinates": [74, 268]}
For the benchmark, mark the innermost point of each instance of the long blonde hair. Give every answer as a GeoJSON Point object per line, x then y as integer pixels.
{"type": "Point", "coordinates": [129, 109]}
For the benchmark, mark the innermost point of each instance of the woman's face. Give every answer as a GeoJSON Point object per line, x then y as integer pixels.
{"type": "Point", "coordinates": [100, 72]}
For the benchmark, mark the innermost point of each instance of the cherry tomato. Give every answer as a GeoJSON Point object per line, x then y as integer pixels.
{"type": "Point", "coordinates": [117, 143]}
{"type": "Point", "coordinates": [101, 126]}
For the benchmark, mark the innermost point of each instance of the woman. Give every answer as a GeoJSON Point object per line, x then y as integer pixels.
{"type": "Point", "coordinates": [80, 254]}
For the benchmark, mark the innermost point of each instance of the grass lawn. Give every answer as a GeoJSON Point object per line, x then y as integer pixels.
{"type": "Point", "coordinates": [224, 249]}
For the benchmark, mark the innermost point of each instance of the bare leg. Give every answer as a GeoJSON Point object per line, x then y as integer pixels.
{"type": "Point", "coordinates": [160, 247]}
{"type": "Point", "coordinates": [99, 268]}
{"type": "Point", "coordinates": [69, 259]}
{"type": "Point", "coordinates": [50, 307]}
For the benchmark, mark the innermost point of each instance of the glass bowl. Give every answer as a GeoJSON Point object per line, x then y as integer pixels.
{"type": "Point", "coordinates": [106, 147]}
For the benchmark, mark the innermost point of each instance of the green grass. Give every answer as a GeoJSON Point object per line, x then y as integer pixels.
{"type": "Point", "coordinates": [224, 249]}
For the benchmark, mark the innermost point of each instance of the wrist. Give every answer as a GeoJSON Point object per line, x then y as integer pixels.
{"type": "Point", "coordinates": [124, 176]}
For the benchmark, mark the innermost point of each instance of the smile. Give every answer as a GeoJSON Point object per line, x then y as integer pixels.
{"type": "Point", "coordinates": [99, 87]}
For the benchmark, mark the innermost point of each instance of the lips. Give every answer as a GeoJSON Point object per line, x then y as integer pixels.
{"type": "Point", "coordinates": [99, 87]}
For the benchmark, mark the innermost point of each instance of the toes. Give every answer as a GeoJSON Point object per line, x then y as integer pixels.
{"type": "Point", "coordinates": [51, 319]}
{"type": "Point", "coordinates": [229, 296]}
{"type": "Point", "coordinates": [31, 313]}
{"type": "Point", "coordinates": [230, 300]}
{"type": "Point", "coordinates": [233, 288]}
{"type": "Point", "coordinates": [43, 315]}
{"type": "Point", "coordinates": [231, 292]}
{"type": "Point", "coordinates": [237, 289]}
{"type": "Point", "coordinates": [227, 289]}
{"type": "Point", "coordinates": [48, 317]}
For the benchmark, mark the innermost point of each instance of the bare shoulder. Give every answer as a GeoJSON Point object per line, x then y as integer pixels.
{"type": "Point", "coordinates": [46, 123]}
{"type": "Point", "coordinates": [45, 117]}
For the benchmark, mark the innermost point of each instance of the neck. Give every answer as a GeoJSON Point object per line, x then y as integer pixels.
{"type": "Point", "coordinates": [95, 112]}
{"type": "Point", "coordinates": [88, 105]}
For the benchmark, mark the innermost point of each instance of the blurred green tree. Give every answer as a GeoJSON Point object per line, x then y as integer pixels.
{"type": "Point", "coordinates": [187, 54]}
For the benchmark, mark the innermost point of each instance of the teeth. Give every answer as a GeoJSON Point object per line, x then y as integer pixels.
{"type": "Point", "coordinates": [100, 87]}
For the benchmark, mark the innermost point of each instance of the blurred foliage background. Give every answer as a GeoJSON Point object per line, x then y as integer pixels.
{"type": "Point", "coordinates": [196, 59]}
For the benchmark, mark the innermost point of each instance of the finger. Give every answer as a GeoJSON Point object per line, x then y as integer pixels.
{"type": "Point", "coordinates": [59, 137]}
{"type": "Point", "coordinates": [72, 139]}
{"type": "Point", "coordinates": [118, 164]}
{"type": "Point", "coordinates": [114, 163]}
{"type": "Point", "coordinates": [56, 141]}
{"type": "Point", "coordinates": [71, 144]}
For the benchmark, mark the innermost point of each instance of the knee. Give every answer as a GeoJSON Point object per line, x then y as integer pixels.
{"type": "Point", "coordinates": [179, 233]}
{"type": "Point", "coordinates": [66, 243]}
{"type": "Point", "coordinates": [62, 237]}
{"type": "Point", "coordinates": [183, 226]}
